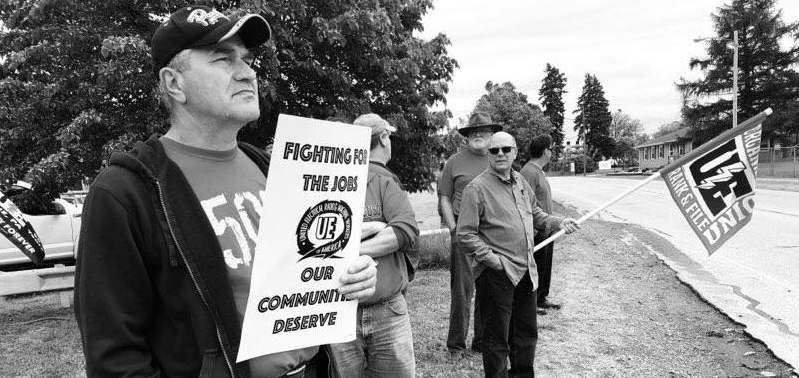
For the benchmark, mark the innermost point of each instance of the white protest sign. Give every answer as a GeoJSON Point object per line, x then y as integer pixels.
{"type": "Point", "coordinates": [310, 232]}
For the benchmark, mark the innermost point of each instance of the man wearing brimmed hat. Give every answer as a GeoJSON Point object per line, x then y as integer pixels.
{"type": "Point", "coordinates": [383, 346]}
{"type": "Point", "coordinates": [458, 171]}
{"type": "Point", "coordinates": [169, 229]}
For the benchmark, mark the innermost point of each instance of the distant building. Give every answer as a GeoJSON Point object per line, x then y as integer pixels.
{"type": "Point", "coordinates": [664, 149]}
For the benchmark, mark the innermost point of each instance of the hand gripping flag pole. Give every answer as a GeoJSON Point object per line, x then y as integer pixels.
{"type": "Point", "coordinates": [713, 185]}
{"type": "Point", "coordinates": [597, 210]}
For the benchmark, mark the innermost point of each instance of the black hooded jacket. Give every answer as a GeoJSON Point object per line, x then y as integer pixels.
{"type": "Point", "coordinates": [152, 297]}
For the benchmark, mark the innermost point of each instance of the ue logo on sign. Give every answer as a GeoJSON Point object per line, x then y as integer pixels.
{"type": "Point", "coordinates": [324, 229]}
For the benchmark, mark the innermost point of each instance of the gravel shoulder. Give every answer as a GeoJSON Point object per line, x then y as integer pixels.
{"type": "Point", "coordinates": [626, 314]}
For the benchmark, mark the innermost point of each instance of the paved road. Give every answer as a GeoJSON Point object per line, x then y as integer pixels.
{"type": "Point", "coordinates": [753, 278]}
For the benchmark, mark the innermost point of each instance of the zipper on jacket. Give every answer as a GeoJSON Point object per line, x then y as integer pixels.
{"type": "Point", "coordinates": [193, 277]}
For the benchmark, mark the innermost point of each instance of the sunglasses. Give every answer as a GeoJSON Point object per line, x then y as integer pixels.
{"type": "Point", "coordinates": [495, 150]}
{"type": "Point", "coordinates": [480, 133]}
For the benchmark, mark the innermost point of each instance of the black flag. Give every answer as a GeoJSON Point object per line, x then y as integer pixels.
{"type": "Point", "coordinates": [14, 227]}
{"type": "Point", "coordinates": [714, 185]}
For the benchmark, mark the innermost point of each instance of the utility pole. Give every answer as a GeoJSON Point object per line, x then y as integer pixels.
{"type": "Point", "coordinates": [734, 73]}
{"type": "Point", "coordinates": [582, 135]}
{"type": "Point", "coordinates": [735, 79]}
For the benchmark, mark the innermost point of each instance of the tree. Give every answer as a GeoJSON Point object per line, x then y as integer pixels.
{"type": "Point", "coordinates": [593, 119]}
{"type": "Point", "coordinates": [450, 142]}
{"type": "Point", "coordinates": [77, 83]}
{"type": "Point", "coordinates": [625, 132]}
{"type": "Point", "coordinates": [355, 56]}
{"type": "Point", "coordinates": [641, 139]}
{"type": "Point", "coordinates": [519, 117]}
{"type": "Point", "coordinates": [667, 128]}
{"type": "Point", "coordinates": [74, 86]}
{"type": "Point", "coordinates": [766, 72]}
{"type": "Point", "coordinates": [551, 97]}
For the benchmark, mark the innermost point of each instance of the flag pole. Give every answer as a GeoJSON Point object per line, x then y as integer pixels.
{"type": "Point", "coordinates": [598, 209]}
{"type": "Point", "coordinates": [698, 151]}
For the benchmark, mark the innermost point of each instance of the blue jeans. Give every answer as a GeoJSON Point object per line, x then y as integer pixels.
{"type": "Point", "coordinates": [383, 346]}
{"type": "Point", "coordinates": [510, 324]}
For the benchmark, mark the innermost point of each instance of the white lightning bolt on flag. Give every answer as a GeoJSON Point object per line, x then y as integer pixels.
{"type": "Point", "coordinates": [724, 175]}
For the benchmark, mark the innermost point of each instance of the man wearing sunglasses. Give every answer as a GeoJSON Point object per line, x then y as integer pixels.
{"type": "Point", "coordinates": [497, 225]}
{"type": "Point", "coordinates": [459, 170]}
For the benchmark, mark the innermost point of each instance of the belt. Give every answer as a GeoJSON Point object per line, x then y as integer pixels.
{"type": "Point", "coordinates": [298, 372]}
{"type": "Point", "coordinates": [382, 301]}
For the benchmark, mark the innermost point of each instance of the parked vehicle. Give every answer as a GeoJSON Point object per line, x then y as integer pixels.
{"type": "Point", "coordinates": [58, 232]}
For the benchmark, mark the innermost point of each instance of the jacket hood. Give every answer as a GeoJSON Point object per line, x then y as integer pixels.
{"type": "Point", "coordinates": [147, 158]}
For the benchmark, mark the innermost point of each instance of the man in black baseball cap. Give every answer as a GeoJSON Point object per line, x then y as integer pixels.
{"type": "Point", "coordinates": [198, 26]}
{"type": "Point", "coordinates": [170, 228]}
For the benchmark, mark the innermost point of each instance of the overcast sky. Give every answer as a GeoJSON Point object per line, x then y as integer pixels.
{"type": "Point", "coordinates": [637, 49]}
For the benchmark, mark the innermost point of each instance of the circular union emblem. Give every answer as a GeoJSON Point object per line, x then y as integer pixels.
{"type": "Point", "coordinates": [324, 229]}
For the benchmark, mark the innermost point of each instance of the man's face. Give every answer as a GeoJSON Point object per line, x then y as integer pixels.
{"type": "Point", "coordinates": [501, 152]}
{"type": "Point", "coordinates": [477, 139]}
{"type": "Point", "coordinates": [220, 84]}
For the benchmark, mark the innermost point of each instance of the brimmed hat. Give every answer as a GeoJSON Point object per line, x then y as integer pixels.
{"type": "Point", "coordinates": [375, 122]}
{"type": "Point", "coordinates": [197, 26]}
{"type": "Point", "coordinates": [479, 119]}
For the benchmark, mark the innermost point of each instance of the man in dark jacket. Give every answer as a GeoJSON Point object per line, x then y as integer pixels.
{"type": "Point", "coordinates": [169, 229]}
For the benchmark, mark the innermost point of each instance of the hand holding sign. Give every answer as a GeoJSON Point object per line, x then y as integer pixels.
{"type": "Point", "coordinates": [359, 281]}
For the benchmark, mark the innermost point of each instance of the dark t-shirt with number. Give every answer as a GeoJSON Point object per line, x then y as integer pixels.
{"type": "Point", "coordinates": [231, 190]}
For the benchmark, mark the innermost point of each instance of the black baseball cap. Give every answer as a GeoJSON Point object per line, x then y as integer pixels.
{"type": "Point", "coordinates": [197, 26]}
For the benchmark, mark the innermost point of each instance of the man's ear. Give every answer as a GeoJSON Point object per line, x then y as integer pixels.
{"type": "Point", "coordinates": [385, 138]}
{"type": "Point", "coordinates": [172, 82]}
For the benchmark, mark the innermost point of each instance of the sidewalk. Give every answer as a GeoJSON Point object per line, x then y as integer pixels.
{"type": "Point", "coordinates": [769, 183]}
{"type": "Point", "coordinates": [789, 184]}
